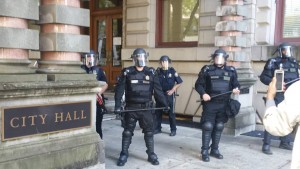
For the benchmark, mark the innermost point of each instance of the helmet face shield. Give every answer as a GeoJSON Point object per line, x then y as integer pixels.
{"type": "Point", "coordinates": [90, 60]}
{"type": "Point", "coordinates": [139, 59]}
{"type": "Point", "coordinates": [286, 51]}
{"type": "Point", "coordinates": [219, 59]}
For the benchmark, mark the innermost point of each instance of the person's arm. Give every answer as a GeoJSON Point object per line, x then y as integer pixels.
{"type": "Point", "coordinates": [200, 85]}
{"type": "Point", "coordinates": [235, 82]}
{"type": "Point", "coordinates": [268, 72]}
{"type": "Point", "coordinates": [178, 82]}
{"type": "Point", "coordinates": [120, 89]}
{"type": "Point", "coordinates": [280, 121]}
{"type": "Point", "coordinates": [102, 78]}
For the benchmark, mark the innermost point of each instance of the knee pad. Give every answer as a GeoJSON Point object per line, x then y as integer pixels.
{"type": "Point", "coordinates": [207, 126]}
{"type": "Point", "coordinates": [127, 133]}
{"type": "Point", "coordinates": [219, 126]}
{"type": "Point", "coordinates": [148, 134]}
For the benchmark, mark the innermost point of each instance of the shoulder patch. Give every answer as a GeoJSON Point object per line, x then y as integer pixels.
{"type": "Point", "coordinates": [152, 70]}
{"type": "Point", "coordinates": [176, 74]}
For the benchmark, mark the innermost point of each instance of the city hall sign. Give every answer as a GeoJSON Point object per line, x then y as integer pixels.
{"type": "Point", "coordinates": [41, 119]}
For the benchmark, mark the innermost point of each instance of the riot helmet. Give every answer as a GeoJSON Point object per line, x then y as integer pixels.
{"type": "Point", "coordinates": [285, 50]}
{"type": "Point", "coordinates": [90, 59]}
{"type": "Point", "coordinates": [219, 57]}
{"type": "Point", "coordinates": [165, 61]}
{"type": "Point", "coordinates": [139, 57]}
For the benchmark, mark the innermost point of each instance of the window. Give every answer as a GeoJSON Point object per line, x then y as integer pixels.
{"type": "Point", "coordinates": [177, 23]}
{"type": "Point", "coordinates": [287, 23]}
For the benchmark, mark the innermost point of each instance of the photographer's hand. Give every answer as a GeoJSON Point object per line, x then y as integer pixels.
{"type": "Point", "coordinates": [271, 89]}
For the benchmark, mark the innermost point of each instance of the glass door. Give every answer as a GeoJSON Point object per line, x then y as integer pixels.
{"type": "Point", "coordinates": [107, 41]}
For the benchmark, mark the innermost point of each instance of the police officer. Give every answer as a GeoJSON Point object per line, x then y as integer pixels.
{"type": "Point", "coordinates": [90, 62]}
{"type": "Point", "coordinates": [284, 61]}
{"type": "Point", "coordinates": [170, 81]}
{"type": "Point", "coordinates": [139, 84]}
{"type": "Point", "coordinates": [214, 80]}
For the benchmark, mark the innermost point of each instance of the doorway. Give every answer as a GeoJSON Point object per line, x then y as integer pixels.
{"type": "Point", "coordinates": [106, 37]}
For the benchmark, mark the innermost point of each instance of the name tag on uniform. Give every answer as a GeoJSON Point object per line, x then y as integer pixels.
{"type": "Point", "coordinates": [146, 82]}
{"type": "Point", "coordinates": [134, 81]}
{"type": "Point", "coordinates": [226, 78]}
{"type": "Point", "coordinates": [214, 77]}
{"type": "Point", "coordinates": [292, 70]}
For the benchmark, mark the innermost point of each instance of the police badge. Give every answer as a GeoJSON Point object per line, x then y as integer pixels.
{"type": "Point", "coordinates": [170, 75]}
{"type": "Point", "coordinates": [147, 77]}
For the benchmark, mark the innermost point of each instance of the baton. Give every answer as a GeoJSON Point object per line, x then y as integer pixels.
{"type": "Point", "coordinates": [134, 110]}
{"type": "Point", "coordinates": [292, 81]}
{"type": "Point", "coordinates": [217, 95]}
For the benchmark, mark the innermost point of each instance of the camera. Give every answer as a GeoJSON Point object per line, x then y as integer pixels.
{"type": "Point", "coordinates": [279, 74]}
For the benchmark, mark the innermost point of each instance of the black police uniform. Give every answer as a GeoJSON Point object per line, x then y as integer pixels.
{"type": "Point", "coordinates": [167, 78]}
{"type": "Point", "coordinates": [213, 80]}
{"type": "Point", "coordinates": [139, 86]}
{"type": "Point", "coordinates": [100, 76]}
{"type": "Point", "coordinates": [290, 67]}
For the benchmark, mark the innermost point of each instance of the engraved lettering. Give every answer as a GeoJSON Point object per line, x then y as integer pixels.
{"type": "Point", "coordinates": [68, 118]}
{"type": "Point", "coordinates": [32, 119]}
{"type": "Point", "coordinates": [43, 118]}
{"type": "Point", "coordinates": [59, 117]}
{"type": "Point", "coordinates": [82, 115]}
{"type": "Point", "coordinates": [12, 122]}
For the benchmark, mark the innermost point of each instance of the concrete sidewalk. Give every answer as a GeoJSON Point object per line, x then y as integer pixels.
{"type": "Point", "coordinates": [183, 150]}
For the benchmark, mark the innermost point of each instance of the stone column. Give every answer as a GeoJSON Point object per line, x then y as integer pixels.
{"type": "Point", "coordinates": [60, 40]}
{"type": "Point", "coordinates": [47, 116]}
{"type": "Point", "coordinates": [236, 37]}
{"type": "Point", "coordinates": [16, 39]}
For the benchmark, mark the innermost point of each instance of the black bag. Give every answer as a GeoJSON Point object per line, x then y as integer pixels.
{"type": "Point", "coordinates": [233, 108]}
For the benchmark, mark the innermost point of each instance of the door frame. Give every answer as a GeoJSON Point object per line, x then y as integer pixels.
{"type": "Point", "coordinates": [108, 14]}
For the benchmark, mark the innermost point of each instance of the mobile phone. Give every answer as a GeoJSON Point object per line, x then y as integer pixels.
{"type": "Point", "coordinates": [279, 74]}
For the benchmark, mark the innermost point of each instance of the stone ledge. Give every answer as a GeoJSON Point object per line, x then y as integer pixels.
{"type": "Point", "coordinates": [64, 15]}
{"type": "Point", "coordinates": [41, 89]}
{"type": "Point", "coordinates": [70, 152]}
{"type": "Point", "coordinates": [19, 38]}
{"type": "Point", "coordinates": [20, 9]}
{"type": "Point", "coordinates": [57, 42]}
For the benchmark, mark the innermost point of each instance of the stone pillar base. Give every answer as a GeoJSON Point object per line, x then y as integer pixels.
{"type": "Point", "coordinates": [244, 122]}
{"type": "Point", "coordinates": [71, 152]}
{"type": "Point", "coordinates": [14, 66]}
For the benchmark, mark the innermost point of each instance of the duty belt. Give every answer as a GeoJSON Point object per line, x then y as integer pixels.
{"type": "Point", "coordinates": [219, 100]}
{"type": "Point", "coordinates": [138, 105]}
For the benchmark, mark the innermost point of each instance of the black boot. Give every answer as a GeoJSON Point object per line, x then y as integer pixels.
{"type": "Point", "coordinates": [207, 128]}
{"type": "Point", "coordinates": [285, 145]}
{"type": "Point", "coordinates": [152, 157]}
{"type": "Point", "coordinates": [285, 142]}
{"type": "Point", "coordinates": [216, 137]}
{"type": "Point", "coordinates": [206, 135]}
{"type": "Point", "coordinates": [205, 156]}
{"type": "Point", "coordinates": [266, 145]}
{"type": "Point", "coordinates": [122, 159]}
{"type": "Point", "coordinates": [126, 141]}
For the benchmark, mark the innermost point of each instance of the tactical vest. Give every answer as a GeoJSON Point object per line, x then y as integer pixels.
{"type": "Point", "coordinates": [166, 78]}
{"type": "Point", "coordinates": [139, 86]}
{"type": "Point", "coordinates": [218, 81]}
{"type": "Point", "coordinates": [290, 69]}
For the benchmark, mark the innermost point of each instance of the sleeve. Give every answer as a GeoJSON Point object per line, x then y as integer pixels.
{"type": "Point", "coordinates": [267, 74]}
{"type": "Point", "coordinates": [178, 79]}
{"type": "Point", "coordinates": [200, 84]}
{"type": "Point", "coordinates": [158, 92]}
{"type": "Point", "coordinates": [120, 88]}
{"type": "Point", "coordinates": [101, 75]}
{"type": "Point", "coordinates": [281, 120]}
{"type": "Point", "coordinates": [235, 82]}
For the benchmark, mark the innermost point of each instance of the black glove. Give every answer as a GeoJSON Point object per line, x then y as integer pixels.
{"type": "Point", "coordinates": [117, 110]}
{"type": "Point", "coordinates": [166, 109]}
